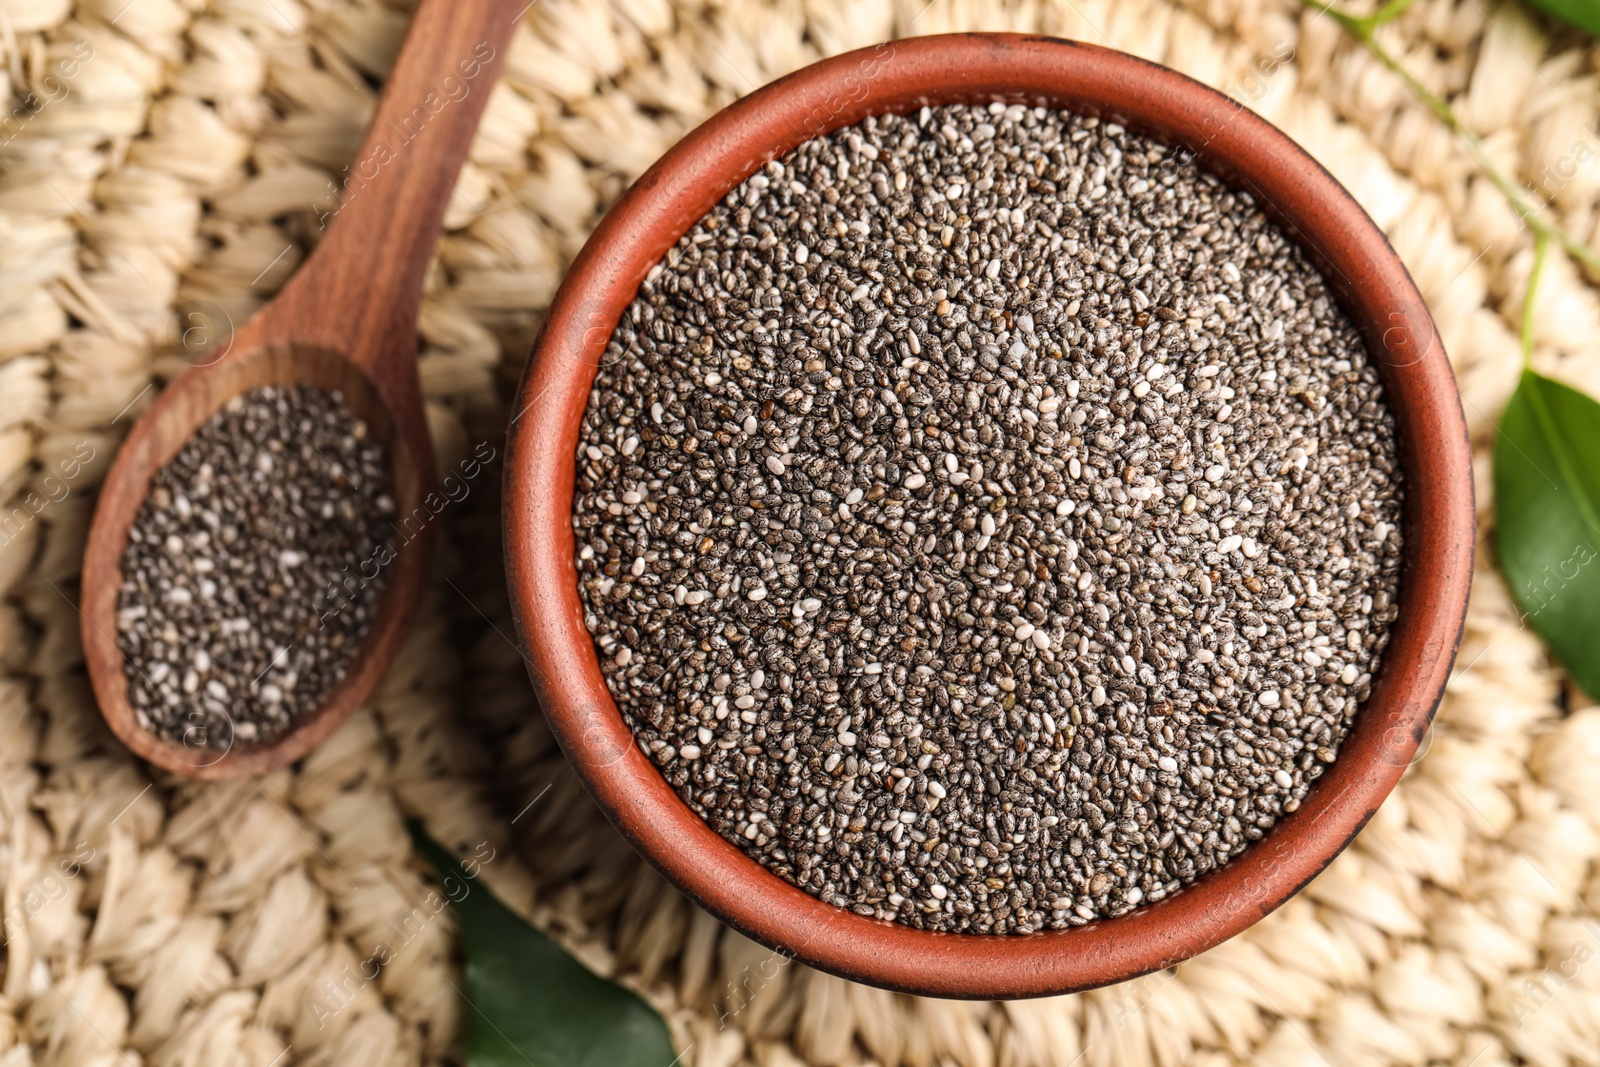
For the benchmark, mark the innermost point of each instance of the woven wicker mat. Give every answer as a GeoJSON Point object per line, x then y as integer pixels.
{"type": "Point", "coordinates": [173, 184]}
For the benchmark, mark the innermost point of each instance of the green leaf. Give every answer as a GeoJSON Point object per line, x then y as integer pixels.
{"type": "Point", "coordinates": [1547, 503]}
{"type": "Point", "coordinates": [530, 1004]}
{"type": "Point", "coordinates": [1584, 14]}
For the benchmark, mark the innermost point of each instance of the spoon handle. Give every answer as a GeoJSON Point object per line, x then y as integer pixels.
{"type": "Point", "coordinates": [360, 291]}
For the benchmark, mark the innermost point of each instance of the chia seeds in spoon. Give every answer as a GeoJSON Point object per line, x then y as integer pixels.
{"type": "Point", "coordinates": [987, 520]}
{"type": "Point", "coordinates": [253, 568]}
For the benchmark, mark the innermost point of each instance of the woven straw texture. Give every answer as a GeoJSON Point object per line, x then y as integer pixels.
{"type": "Point", "coordinates": [171, 181]}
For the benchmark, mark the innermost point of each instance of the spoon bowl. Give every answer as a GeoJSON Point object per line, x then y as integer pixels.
{"type": "Point", "coordinates": [346, 322]}
{"type": "Point", "coordinates": [179, 412]}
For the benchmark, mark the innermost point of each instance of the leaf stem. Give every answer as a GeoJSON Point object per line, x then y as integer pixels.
{"type": "Point", "coordinates": [1361, 27]}
{"type": "Point", "coordinates": [1541, 246]}
{"type": "Point", "coordinates": [1361, 24]}
{"type": "Point", "coordinates": [1388, 12]}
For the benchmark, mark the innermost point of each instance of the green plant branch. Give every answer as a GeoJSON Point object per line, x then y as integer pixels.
{"type": "Point", "coordinates": [1541, 247]}
{"type": "Point", "coordinates": [1361, 27]}
{"type": "Point", "coordinates": [1536, 398]}
{"type": "Point", "coordinates": [1362, 24]}
{"type": "Point", "coordinates": [1392, 10]}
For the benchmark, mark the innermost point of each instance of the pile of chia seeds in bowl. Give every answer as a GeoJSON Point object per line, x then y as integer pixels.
{"type": "Point", "coordinates": [988, 520]}
{"type": "Point", "coordinates": [253, 569]}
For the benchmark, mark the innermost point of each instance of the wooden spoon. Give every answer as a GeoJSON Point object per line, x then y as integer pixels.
{"type": "Point", "coordinates": [346, 321]}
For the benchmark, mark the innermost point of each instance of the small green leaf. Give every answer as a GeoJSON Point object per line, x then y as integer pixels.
{"type": "Point", "coordinates": [1547, 503]}
{"type": "Point", "coordinates": [1584, 14]}
{"type": "Point", "coordinates": [530, 1004]}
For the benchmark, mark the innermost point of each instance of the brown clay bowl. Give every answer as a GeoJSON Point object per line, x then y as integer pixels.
{"type": "Point", "coordinates": [1232, 142]}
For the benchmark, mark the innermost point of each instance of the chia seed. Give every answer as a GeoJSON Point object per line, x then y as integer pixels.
{"type": "Point", "coordinates": [248, 577]}
{"type": "Point", "coordinates": [988, 520]}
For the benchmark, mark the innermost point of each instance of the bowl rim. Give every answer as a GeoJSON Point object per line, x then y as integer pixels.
{"type": "Point", "coordinates": [1229, 140]}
